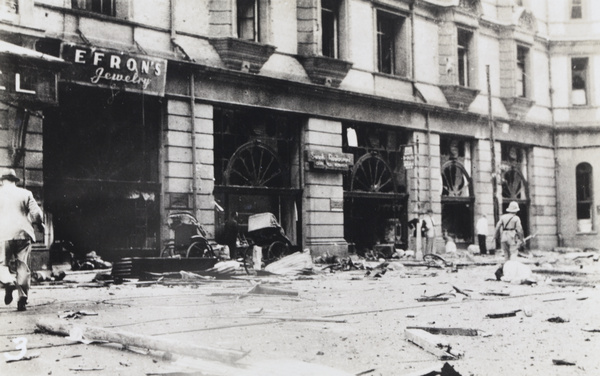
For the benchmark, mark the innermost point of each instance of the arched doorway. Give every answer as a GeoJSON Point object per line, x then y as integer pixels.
{"type": "Point", "coordinates": [256, 167]}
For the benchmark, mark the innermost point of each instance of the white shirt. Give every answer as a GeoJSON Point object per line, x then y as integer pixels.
{"type": "Point", "coordinates": [482, 226]}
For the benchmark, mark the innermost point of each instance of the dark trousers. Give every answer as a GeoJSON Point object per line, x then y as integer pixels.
{"type": "Point", "coordinates": [482, 245]}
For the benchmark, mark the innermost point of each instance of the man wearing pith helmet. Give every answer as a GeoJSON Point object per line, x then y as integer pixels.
{"type": "Point", "coordinates": [509, 230]}
{"type": "Point", "coordinates": [18, 211]}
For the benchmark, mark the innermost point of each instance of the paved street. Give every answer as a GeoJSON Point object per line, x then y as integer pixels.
{"type": "Point", "coordinates": [345, 320]}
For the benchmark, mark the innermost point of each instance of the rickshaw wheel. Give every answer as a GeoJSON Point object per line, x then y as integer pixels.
{"type": "Point", "coordinates": [276, 250]}
{"type": "Point", "coordinates": [200, 249]}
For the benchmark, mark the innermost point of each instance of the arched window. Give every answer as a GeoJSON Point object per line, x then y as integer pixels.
{"type": "Point", "coordinates": [585, 195]}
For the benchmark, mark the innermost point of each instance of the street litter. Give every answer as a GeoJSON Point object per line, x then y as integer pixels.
{"type": "Point", "coordinates": [80, 369]}
{"type": "Point", "coordinates": [189, 275]}
{"type": "Point", "coordinates": [432, 344]}
{"type": "Point", "coordinates": [442, 297]}
{"type": "Point", "coordinates": [502, 315]}
{"type": "Point", "coordinates": [225, 268]}
{"type": "Point", "coordinates": [93, 333]}
{"type": "Point", "coordinates": [495, 293]}
{"type": "Point", "coordinates": [447, 370]}
{"type": "Point", "coordinates": [560, 362]}
{"type": "Point", "coordinates": [447, 331]}
{"type": "Point", "coordinates": [268, 290]}
{"type": "Point", "coordinates": [296, 263]}
{"type": "Point", "coordinates": [75, 314]}
{"type": "Point", "coordinates": [557, 319]}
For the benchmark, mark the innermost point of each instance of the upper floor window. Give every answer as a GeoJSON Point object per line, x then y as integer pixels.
{"type": "Point", "coordinates": [585, 195]}
{"type": "Point", "coordinates": [247, 19]}
{"type": "Point", "coordinates": [463, 46]}
{"type": "Point", "coordinates": [576, 9]}
{"type": "Point", "coordinates": [330, 27]}
{"type": "Point", "coordinates": [9, 6]}
{"type": "Point", "coordinates": [392, 38]}
{"type": "Point", "coordinates": [579, 78]}
{"type": "Point", "coordinates": [522, 71]}
{"type": "Point", "coordinates": [106, 7]}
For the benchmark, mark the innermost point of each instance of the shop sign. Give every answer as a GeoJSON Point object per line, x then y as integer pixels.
{"type": "Point", "coordinates": [114, 69]}
{"type": "Point", "coordinates": [324, 160]}
{"type": "Point", "coordinates": [27, 84]}
{"type": "Point", "coordinates": [408, 159]}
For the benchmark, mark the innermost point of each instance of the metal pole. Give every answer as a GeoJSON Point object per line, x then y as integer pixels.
{"type": "Point", "coordinates": [419, 240]}
{"type": "Point", "coordinates": [193, 139]}
{"type": "Point", "coordinates": [492, 147]}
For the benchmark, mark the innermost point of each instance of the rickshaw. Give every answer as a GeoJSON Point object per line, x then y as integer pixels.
{"type": "Point", "coordinates": [264, 231]}
{"type": "Point", "coordinates": [187, 237]}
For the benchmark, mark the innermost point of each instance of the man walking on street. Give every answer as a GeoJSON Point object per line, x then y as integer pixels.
{"type": "Point", "coordinates": [482, 229]}
{"type": "Point", "coordinates": [18, 211]}
{"type": "Point", "coordinates": [510, 230]}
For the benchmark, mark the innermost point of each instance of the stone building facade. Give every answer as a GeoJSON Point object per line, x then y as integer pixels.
{"type": "Point", "coordinates": [344, 118]}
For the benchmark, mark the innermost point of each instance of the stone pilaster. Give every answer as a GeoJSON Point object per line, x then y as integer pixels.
{"type": "Point", "coordinates": [323, 192]}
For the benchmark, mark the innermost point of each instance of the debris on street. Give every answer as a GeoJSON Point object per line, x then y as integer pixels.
{"type": "Point", "coordinates": [560, 362]}
{"type": "Point", "coordinates": [294, 264]}
{"type": "Point", "coordinates": [142, 341]}
{"type": "Point", "coordinates": [447, 331]}
{"type": "Point", "coordinates": [502, 315]}
{"type": "Point", "coordinates": [432, 344]}
{"type": "Point", "coordinates": [261, 289]}
{"type": "Point", "coordinates": [76, 314]}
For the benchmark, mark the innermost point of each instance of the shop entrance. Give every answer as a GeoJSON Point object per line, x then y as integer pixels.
{"type": "Point", "coordinates": [257, 168]}
{"type": "Point", "coordinates": [101, 170]}
{"type": "Point", "coordinates": [375, 198]}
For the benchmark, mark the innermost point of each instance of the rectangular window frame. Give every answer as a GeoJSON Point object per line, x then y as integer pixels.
{"type": "Point", "coordinates": [576, 10]}
{"type": "Point", "coordinates": [580, 81]}
{"type": "Point", "coordinates": [247, 20]}
{"type": "Point", "coordinates": [105, 7]}
{"type": "Point", "coordinates": [464, 50]}
{"type": "Point", "coordinates": [584, 193]}
{"type": "Point", "coordinates": [522, 85]}
{"type": "Point", "coordinates": [392, 34]}
{"type": "Point", "coordinates": [330, 28]}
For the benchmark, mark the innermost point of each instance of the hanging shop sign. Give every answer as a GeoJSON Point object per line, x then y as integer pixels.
{"type": "Point", "coordinates": [324, 160]}
{"type": "Point", "coordinates": [26, 83]}
{"type": "Point", "coordinates": [408, 159]}
{"type": "Point", "coordinates": [114, 69]}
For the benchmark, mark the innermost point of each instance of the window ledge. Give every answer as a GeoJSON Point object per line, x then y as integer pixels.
{"type": "Point", "coordinates": [394, 77]}
{"type": "Point", "coordinates": [586, 233]}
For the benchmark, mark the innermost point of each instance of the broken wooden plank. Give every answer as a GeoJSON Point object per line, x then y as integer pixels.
{"type": "Point", "coordinates": [447, 331]}
{"type": "Point", "coordinates": [560, 272]}
{"type": "Point", "coordinates": [494, 293]}
{"type": "Point", "coordinates": [430, 343]}
{"type": "Point", "coordinates": [433, 299]}
{"type": "Point", "coordinates": [142, 341]}
{"type": "Point", "coordinates": [560, 362]}
{"type": "Point", "coordinates": [502, 315]}
{"type": "Point", "coordinates": [299, 319]}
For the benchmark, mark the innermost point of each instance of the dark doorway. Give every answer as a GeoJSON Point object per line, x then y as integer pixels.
{"type": "Point", "coordinates": [101, 169]}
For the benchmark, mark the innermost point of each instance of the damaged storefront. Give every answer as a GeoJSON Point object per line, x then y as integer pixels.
{"type": "Point", "coordinates": [457, 189]}
{"type": "Point", "coordinates": [101, 151]}
{"type": "Point", "coordinates": [257, 167]}
{"type": "Point", "coordinates": [28, 88]}
{"type": "Point", "coordinates": [375, 189]}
